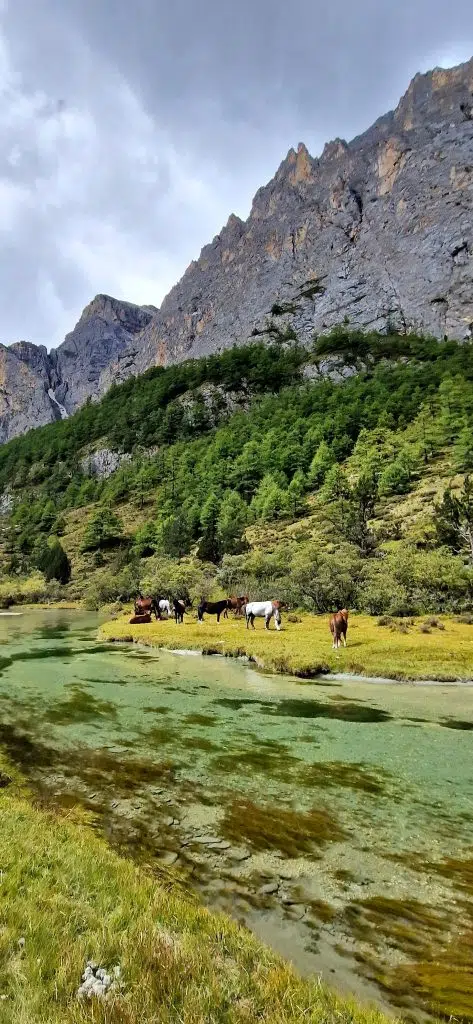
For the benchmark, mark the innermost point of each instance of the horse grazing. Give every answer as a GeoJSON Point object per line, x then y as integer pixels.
{"type": "Point", "coordinates": [236, 604]}
{"type": "Point", "coordinates": [146, 605]}
{"type": "Point", "coordinates": [339, 627]}
{"type": "Point", "coordinates": [266, 610]}
{"type": "Point", "coordinates": [213, 608]}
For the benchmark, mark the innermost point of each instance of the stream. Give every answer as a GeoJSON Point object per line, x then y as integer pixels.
{"type": "Point", "coordinates": [334, 818]}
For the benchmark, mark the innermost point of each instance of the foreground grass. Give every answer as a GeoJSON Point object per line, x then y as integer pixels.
{"type": "Point", "coordinates": [305, 648]}
{"type": "Point", "coordinates": [66, 897]}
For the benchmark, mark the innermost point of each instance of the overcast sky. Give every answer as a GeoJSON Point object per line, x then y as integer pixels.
{"type": "Point", "coordinates": [129, 131]}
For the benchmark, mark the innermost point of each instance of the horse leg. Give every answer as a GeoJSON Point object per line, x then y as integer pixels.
{"type": "Point", "coordinates": [267, 620]}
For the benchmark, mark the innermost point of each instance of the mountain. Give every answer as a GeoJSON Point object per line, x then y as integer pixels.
{"type": "Point", "coordinates": [37, 388]}
{"type": "Point", "coordinates": [377, 233]}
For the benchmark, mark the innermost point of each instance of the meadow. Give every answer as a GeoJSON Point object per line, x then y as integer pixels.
{"type": "Point", "coordinates": [425, 648]}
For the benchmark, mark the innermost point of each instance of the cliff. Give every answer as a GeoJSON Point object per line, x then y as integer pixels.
{"type": "Point", "coordinates": [377, 232]}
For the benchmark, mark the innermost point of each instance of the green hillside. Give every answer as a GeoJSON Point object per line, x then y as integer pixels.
{"type": "Point", "coordinates": [317, 475]}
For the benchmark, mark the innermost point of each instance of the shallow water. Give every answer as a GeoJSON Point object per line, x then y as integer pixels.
{"type": "Point", "coordinates": [328, 816]}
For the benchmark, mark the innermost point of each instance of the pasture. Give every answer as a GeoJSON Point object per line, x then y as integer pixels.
{"type": "Point", "coordinates": [427, 647]}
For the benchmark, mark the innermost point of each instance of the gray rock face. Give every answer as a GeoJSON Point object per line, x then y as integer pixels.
{"type": "Point", "coordinates": [105, 332]}
{"type": "Point", "coordinates": [103, 462]}
{"type": "Point", "coordinates": [24, 380]}
{"type": "Point", "coordinates": [377, 233]}
{"type": "Point", "coordinates": [34, 384]}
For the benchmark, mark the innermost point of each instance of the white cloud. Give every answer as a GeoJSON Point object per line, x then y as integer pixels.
{"type": "Point", "coordinates": [100, 195]}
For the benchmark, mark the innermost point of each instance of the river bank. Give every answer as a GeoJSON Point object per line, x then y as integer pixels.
{"type": "Point", "coordinates": [428, 648]}
{"type": "Point", "coordinates": [68, 898]}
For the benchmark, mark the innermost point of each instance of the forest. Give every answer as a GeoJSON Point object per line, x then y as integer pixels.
{"type": "Point", "coordinates": [335, 475]}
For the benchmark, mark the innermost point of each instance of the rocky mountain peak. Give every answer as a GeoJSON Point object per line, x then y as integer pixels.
{"type": "Point", "coordinates": [376, 233]}
{"type": "Point", "coordinates": [436, 96]}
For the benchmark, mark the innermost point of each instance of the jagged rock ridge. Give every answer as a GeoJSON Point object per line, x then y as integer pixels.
{"type": "Point", "coordinates": [377, 232]}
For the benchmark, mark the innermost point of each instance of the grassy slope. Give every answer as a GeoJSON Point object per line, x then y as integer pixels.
{"type": "Point", "coordinates": [304, 648]}
{"type": "Point", "coordinates": [71, 898]}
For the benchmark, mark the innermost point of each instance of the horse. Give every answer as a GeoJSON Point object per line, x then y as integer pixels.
{"type": "Point", "coordinates": [164, 605]}
{"type": "Point", "coordinates": [140, 619]}
{"type": "Point", "coordinates": [263, 610]}
{"type": "Point", "coordinates": [146, 605]}
{"type": "Point", "coordinates": [236, 604]}
{"type": "Point", "coordinates": [339, 627]}
{"type": "Point", "coordinates": [212, 608]}
{"type": "Point", "coordinates": [180, 606]}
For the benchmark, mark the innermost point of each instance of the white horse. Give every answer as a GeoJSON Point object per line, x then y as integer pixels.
{"type": "Point", "coordinates": [164, 606]}
{"type": "Point", "coordinates": [263, 610]}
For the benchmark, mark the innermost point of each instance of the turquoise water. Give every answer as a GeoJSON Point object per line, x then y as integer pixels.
{"type": "Point", "coordinates": [294, 806]}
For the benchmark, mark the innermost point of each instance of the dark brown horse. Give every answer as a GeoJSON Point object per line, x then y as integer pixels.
{"type": "Point", "coordinates": [339, 628]}
{"type": "Point", "coordinates": [140, 619]}
{"type": "Point", "coordinates": [212, 608]}
{"type": "Point", "coordinates": [180, 606]}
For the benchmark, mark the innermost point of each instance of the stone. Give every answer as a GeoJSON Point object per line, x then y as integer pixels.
{"type": "Point", "coordinates": [206, 840]}
{"type": "Point", "coordinates": [296, 911]}
{"type": "Point", "coordinates": [168, 858]}
{"type": "Point", "coordinates": [268, 889]}
{"type": "Point", "coordinates": [239, 855]}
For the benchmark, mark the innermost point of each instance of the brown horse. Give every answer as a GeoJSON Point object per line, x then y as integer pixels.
{"type": "Point", "coordinates": [236, 604]}
{"type": "Point", "coordinates": [140, 619]}
{"type": "Point", "coordinates": [146, 605]}
{"type": "Point", "coordinates": [339, 628]}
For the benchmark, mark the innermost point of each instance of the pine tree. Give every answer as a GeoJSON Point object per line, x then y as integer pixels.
{"type": "Point", "coordinates": [54, 563]}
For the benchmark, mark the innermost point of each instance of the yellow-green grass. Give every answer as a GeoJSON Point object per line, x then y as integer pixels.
{"type": "Point", "coordinates": [66, 897]}
{"type": "Point", "coordinates": [304, 648]}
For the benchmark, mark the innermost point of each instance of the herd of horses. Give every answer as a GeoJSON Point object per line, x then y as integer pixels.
{"type": "Point", "coordinates": [166, 607]}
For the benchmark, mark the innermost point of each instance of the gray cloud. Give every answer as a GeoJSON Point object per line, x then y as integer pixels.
{"type": "Point", "coordinates": [129, 132]}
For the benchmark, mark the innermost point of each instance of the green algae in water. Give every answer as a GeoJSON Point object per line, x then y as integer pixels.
{"type": "Point", "coordinates": [335, 774]}
{"type": "Point", "coordinates": [268, 758]}
{"type": "Point", "coordinates": [345, 711]}
{"type": "Point", "coordinates": [457, 723]}
{"type": "Point", "coordinates": [81, 706]}
{"type": "Point", "coordinates": [200, 743]}
{"type": "Point", "coordinates": [291, 833]}
{"type": "Point", "coordinates": [201, 719]}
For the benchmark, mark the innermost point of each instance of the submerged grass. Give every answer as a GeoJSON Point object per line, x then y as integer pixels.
{"type": "Point", "coordinates": [304, 648]}
{"type": "Point", "coordinates": [70, 898]}
{"type": "Point", "coordinates": [291, 833]}
{"type": "Point", "coordinates": [438, 976]}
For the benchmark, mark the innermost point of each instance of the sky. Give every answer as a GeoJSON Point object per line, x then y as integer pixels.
{"type": "Point", "coordinates": [129, 131]}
